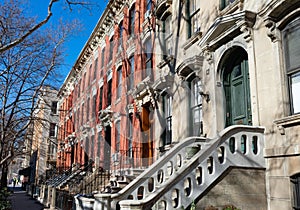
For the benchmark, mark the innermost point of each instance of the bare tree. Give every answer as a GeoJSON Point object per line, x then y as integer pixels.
{"type": "Point", "coordinates": [30, 56]}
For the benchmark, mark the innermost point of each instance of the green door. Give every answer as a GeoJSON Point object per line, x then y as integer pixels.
{"type": "Point", "coordinates": [237, 91]}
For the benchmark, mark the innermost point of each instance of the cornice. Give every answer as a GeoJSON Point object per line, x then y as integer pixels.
{"type": "Point", "coordinates": [98, 34]}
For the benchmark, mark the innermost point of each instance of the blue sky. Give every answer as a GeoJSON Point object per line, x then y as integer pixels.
{"type": "Point", "coordinates": [88, 20]}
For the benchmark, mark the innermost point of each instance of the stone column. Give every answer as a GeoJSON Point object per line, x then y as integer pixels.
{"type": "Point", "coordinates": [53, 198]}
{"type": "Point", "coordinates": [49, 196]}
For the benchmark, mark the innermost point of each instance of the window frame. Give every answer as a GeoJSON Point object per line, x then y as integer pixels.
{"type": "Point", "coordinates": [118, 136]}
{"type": "Point", "coordinates": [148, 5]}
{"type": "Point", "coordinates": [131, 24]}
{"type": "Point", "coordinates": [295, 182]}
{"type": "Point", "coordinates": [291, 71]}
{"type": "Point", "coordinates": [52, 130]}
{"type": "Point", "coordinates": [167, 35]}
{"type": "Point", "coordinates": [131, 74]}
{"type": "Point", "coordinates": [225, 3]}
{"type": "Point", "coordinates": [111, 48]}
{"type": "Point", "coordinates": [167, 101]}
{"type": "Point", "coordinates": [95, 68]}
{"type": "Point", "coordinates": [121, 31]}
{"type": "Point", "coordinates": [130, 135]}
{"type": "Point", "coordinates": [54, 107]}
{"type": "Point", "coordinates": [148, 57]}
{"type": "Point", "coordinates": [102, 58]}
{"type": "Point", "coordinates": [119, 82]}
{"type": "Point", "coordinates": [109, 92]}
{"type": "Point", "coordinates": [196, 106]}
{"type": "Point", "coordinates": [100, 98]}
{"type": "Point", "coordinates": [192, 17]}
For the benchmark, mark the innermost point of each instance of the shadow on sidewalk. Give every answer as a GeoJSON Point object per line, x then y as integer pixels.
{"type": "Point", "coordinates": [21, 201]}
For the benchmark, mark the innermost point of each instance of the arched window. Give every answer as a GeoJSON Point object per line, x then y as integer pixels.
{"type": "Point", "coordinates": [291, 43]}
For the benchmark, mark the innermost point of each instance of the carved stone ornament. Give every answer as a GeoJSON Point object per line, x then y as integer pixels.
{"type": "Point", "coordinates": [247, 32]}
{"type": "Point", "coordinates": [271, 27]}
{"type": "Point", "coordinates": [208, 55]}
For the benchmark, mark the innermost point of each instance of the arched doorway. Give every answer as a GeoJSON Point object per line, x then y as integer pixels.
{"type": "Point", "coordinates": [236, 88]}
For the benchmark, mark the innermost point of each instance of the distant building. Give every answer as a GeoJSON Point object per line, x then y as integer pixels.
{"type": "Point", "coordinates": [42, 141]}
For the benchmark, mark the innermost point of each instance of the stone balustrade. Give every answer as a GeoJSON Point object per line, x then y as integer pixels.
{"type": "Point", "coordinates": [188, 170]}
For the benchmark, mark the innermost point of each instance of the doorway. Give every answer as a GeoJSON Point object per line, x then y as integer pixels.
{"type": "Point", "coordinates": [237, 88]}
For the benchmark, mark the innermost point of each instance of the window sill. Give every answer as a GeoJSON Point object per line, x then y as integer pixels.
{"type": "Point", "coordinates": [194, 38]}
{"type": "Point", "coordinates": [165, 61]}
{"type": "Point", "coordinates": [288, 121]}
{"type": "Point", "coordinates": [231, 8]}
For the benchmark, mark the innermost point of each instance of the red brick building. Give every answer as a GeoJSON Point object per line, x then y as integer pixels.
{"type": "Point", "coordinates": [104, 117]}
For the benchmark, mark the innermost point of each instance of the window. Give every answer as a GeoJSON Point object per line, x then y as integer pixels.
{"type": "Point", "coordinates": [89, 77]}
{"type": "Point", "coordinates": [83, 81]}
{"type": "Point", "coordinates": [109, 92]}
{"type": "Point", "coordinates": [131, 20]}
{"type": "Point", "coordinates": [193, 9]}
{"type": "Point", "coordinates": [196, 108]}
{"type": "Point", "coordinates": [225, 3]}
{"type": "Point", "coordinates": [167, 108]}
{"type": "Point", "coordinates": [291, 36]}
{"type": "Point", "coordinates": [82, 114]}
{"type": "Point", "coordinates": [148, 5]}
{"type": "Point", "coordinates": [102, 57]}
{"type": "Point", "coordinates": [52, 131]}
{"type": "Point", "coordinates": [54, 107]}
{"type": "Point", "coordinates": [101, 98]}
{"type": "Point", "coordinates": [95, 69]}
{"type": "Point", "coordinates": [167, 36]}
{"type": "Point", "coordinates": [88, 110]}
{"type": "Point", "coordinates": [111, 49]}
{"type": "Point", "coordinates": [119, 82]}
{"type": "Point", "coordinates": [99, 144]}
{"type": "Point", "coordinates": [121, 36]}
{"type": "Point", "coordinates": [131, 75]}
{"type": "Point", "coordinates": [92, 146]}
{"type": "Point", "coordinates": [94, 106]}
{"type": "Point", "coordinates": [130, 135]}
{"type": "Point", "coordinates": [118, 136]}
{"type": "Point", "coordinates": [148, 53]}
{"type": "Point", "coordinates": [79, 89]}
{"type": "Point", "coordinates": [295, 182]}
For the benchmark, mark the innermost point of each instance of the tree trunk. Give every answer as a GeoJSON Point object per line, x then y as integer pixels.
{"type": "Point", "coordinates": [4, 176]}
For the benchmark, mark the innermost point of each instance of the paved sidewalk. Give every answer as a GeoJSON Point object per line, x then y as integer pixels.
{"type": "Point", "coordinates": [22, 201]}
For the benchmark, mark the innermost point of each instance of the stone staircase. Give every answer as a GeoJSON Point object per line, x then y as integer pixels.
{"type": "Point", "coordinates": [189, 170]}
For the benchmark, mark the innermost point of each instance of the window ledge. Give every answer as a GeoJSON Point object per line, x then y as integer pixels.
{"type": "Point", "coordinates": [194, 38]}
{"type": "Point", "coordinates": [288, 121]}
{"type": "Point", "coordinates": [231, 8]}
{"type": "Point", "coordinates": [165, 61]}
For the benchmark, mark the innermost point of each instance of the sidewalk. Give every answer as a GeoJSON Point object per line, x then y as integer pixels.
{"type": "Point", "coordinates": [22, 201]}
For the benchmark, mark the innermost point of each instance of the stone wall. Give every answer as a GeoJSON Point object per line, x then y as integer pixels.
{"type": "Point", "coordinates": [242, 188]}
